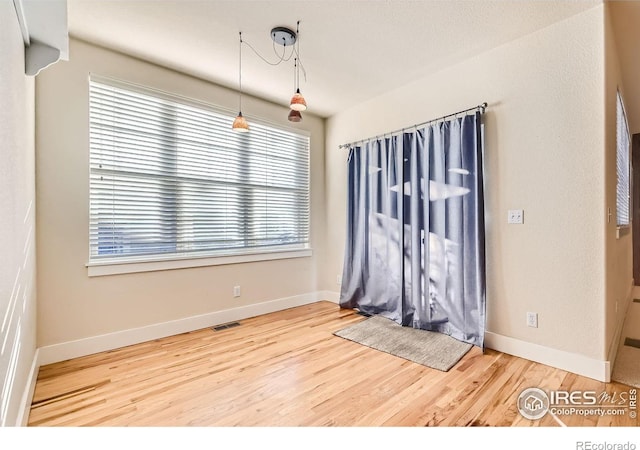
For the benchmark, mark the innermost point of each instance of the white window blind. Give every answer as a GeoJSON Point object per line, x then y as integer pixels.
{"type": "Point", "coordinates": [622, 165]}
{"type": "Point", "coordinates": [169, 176]}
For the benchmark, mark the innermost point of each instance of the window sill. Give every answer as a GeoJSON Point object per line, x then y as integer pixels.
{"type": "Point", "coordinates": [120, 266]}
{"type": "Point", "coordinates": [622, 231]}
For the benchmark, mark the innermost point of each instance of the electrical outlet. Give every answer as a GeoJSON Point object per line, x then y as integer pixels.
{"type": "Point", "coordinates": [339, 279]}
{"type": "Point", "coordinates": [236, 291]}
{"type": "Point", "coordinates": [515, 216]}
{"type": "Point", "coordinates": [532, 319]}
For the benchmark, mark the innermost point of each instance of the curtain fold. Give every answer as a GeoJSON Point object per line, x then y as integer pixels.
{"type": "Point", "coordinates": [415, 229]}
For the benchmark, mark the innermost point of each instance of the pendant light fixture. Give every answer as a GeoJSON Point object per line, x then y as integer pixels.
{"type": "Point", "coordinates": [294, 114]}
{"type": "Point", "coordinates": [286, 38]}
{"type": "Point", "coordinates": [240, 123]}
{"type": "Point", "coordinates": [297, 103]}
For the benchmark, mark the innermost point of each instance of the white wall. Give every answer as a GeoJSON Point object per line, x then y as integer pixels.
{"type": "Point", "coordinates": [73, 306]}
{"type": "Point", "coordinates": [544, 154]}
{"type": "Point", "coordinates": [17, 219]}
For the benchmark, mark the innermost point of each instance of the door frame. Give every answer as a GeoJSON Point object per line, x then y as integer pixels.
{"type": "Point", "coordinates": [635, 196]}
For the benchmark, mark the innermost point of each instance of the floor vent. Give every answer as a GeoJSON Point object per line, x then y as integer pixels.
{"type": "Point", "coordinates": [362, 313]}
{"type": "Point", "coordinates": [636, 300]}
{"type": "Point", "coordinates": [225, 326]}
{"type": "Point", "coordinates": [632, 342]}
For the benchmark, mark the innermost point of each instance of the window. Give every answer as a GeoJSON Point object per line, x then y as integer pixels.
{"type": "Point", "coordinates": [622, 166]}
{"type": "Point", "coordinates": [169, 178]}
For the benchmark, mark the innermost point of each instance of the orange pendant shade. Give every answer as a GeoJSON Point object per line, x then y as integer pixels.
{"type": "Point", "coordinates": [295, 116]}
{"type": "Point", "coordinates": [240, 124]}
{"type": "Point", "coordinates": [298, 102]}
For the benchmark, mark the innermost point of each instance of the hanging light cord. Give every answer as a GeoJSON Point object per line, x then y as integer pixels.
{"type": "Point", "coordinates": [295, 74]}
{"type": "Point", "coordinates": [281, 58]}
{"type": "Point", "coordinates": [304, 72]}
{"type": "Point", "coordinates": [296, 48]}
{"type": "Point", "coordinates": [240, 74]}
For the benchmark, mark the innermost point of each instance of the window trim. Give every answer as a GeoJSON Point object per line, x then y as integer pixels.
{"type": "Point", "coordinates": [114, 266]}
{"type": "Point", "coordinates": [623, 229]}
{"type": "Point", "coordinates": [159, 262]}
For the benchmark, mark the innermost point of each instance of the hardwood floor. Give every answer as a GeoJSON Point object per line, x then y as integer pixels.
{"type": "Point", "coordinates": [287, 369]}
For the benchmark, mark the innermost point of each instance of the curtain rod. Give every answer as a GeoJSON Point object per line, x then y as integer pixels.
{"type": "Point", "coordinates": [481, 107]}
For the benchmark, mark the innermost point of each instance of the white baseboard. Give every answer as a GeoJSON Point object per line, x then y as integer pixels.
{"type": "Point", "coordinates": [95, 344]}
{"type": "Point", "coordinates": [571, 362]}
{"type": "Point", "coordinates": [615, 343]}
{"type": "Point", "coordinates": [330, 296]}
{"type": "Point", "coordinates": [27, 396]}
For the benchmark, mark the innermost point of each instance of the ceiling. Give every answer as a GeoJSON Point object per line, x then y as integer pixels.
{"type": "Point", "coordinates": [352, 50]}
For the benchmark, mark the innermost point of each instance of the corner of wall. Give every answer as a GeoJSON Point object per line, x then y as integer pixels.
{"type": "Point", "coordinates": [618, 258]}
{"type": "Point", "coordinates": [17, 221]}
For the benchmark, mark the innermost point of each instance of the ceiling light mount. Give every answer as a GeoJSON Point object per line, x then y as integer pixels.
{"type": "Point", "coordinates": [283, 36]}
